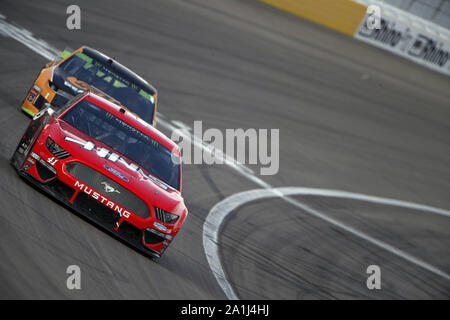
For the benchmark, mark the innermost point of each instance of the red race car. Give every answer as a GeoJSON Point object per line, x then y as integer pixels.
{"type": "Point", "coordinates": [108, 165]}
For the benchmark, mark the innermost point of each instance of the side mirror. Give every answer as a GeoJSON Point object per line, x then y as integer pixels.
{"type": "Point", "coordinates": [47, 109]}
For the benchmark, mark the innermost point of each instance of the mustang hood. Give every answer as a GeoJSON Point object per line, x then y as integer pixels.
{"type": "Point", "coordinates": [115, 166]}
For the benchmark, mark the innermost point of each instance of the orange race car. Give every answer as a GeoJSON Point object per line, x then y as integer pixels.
{"type": "Point", "coordinates": [88, 69]}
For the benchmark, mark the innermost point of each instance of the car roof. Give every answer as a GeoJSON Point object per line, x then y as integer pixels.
{"type": "Point", "coordinates": [119, 68]}
{"type": "Point", "coordinates": [133, 120]}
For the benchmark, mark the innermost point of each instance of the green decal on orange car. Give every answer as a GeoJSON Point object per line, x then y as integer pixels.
{"type": "Point", "coordinates": [28, 111]}
{"type": "Point", "coordinates": [65, 54]}
{"type": "Point", "coordinates": [147, 95]}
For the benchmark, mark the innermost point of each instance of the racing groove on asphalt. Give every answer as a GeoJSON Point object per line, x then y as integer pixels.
{"type": "Point", "coordinates": [351, 118]}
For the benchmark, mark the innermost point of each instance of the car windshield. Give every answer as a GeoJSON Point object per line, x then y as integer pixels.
{"type": "Point", "coordinates": [104, 78]}
{"type": "Point", "coordinates": [135, 145]}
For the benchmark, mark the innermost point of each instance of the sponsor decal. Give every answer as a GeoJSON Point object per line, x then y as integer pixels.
{"type": "Point", "coordinates": [408, 41]}
{"type": "Point", "coordinates": [26, 166]}
{"type": "Point", "coordinates": [103, 200]}
{"type": "Point", "coordinates": [71, 86]}
{"type": "Point", "coordinates": [35, 156]}
{"type": "Point", "coordinates": [114, 157]}
{"type": "Point", "coordinates": [160, 226]}
{"type": "Point", "coordinates": [34, 93]}
{"type": "Point", "coordinates": [31, 160]}
{"type": "Point", "coordinates": [117, 173]}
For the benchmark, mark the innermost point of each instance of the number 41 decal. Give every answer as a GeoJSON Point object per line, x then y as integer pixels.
{"type": "Point", "coordinates": [52, 161]}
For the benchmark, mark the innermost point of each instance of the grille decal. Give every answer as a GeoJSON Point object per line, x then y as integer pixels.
{"type": "Point", "coordinates": [95, 180]}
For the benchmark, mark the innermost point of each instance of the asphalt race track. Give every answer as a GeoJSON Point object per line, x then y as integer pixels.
{"type": "Point", "coordinates": [351, 117]}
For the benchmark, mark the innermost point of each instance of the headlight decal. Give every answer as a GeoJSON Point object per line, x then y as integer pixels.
{"type": "Point", "coordinates": [56, 150]}
{"type": "Point", "coordinates": [165, 216]}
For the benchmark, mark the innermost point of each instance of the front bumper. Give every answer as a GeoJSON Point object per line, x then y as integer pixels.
{"type": "Point", "coordinates": [95, 212]}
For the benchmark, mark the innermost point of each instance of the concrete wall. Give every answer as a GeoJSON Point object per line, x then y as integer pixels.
{"type": "Point", "coordinates": [437, 11]}
{"type": "Point", "coordinates": [342, 15]}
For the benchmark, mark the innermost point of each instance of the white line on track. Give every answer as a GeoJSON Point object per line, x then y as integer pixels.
{"type": "Point", "coordinates": [196, 141]}
{"type": "Point", "coordinates": [219, 212]}
{"type": "Point", "coordinates": [26, 37]}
